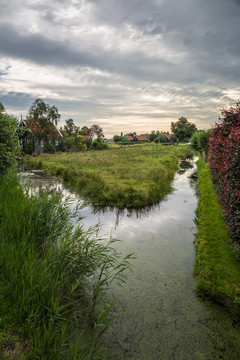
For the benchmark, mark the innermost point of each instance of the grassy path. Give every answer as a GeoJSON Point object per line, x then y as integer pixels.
{"type": "Point", "coordinates": [131, 176]}
{"type": "Point", "coordinates": [217, 267]}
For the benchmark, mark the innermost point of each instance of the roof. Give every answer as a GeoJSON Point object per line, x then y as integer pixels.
{"type": "Point", "coordinates": [141, 137]}
{"type": "Point", "coordinates": [32, 126]}
{"type": "Point", "coordinates": [86, 137]}
{"type": "Point", "coordinates": [168, 135]}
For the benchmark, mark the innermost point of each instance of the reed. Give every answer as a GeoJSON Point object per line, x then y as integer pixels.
{"type": "Point", "coordinates": [53, 277]}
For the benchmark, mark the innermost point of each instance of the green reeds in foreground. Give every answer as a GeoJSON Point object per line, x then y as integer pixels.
{"type": "Point", "coordinates": [52, 279]}
{"type": "Point", "coordinates": [217, 267]}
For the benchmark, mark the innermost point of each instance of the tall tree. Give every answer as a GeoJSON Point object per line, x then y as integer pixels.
{"type": "Point", "coordinates": [70, 128]}
{"type": "Point", "coordinates": [40, 110]}
{"type": "Point", "coordinates": [42, 118]}
{"type": "Point", "coordinates": [97, 131]}
{"type": "Point", "coordinates": [183, 129]}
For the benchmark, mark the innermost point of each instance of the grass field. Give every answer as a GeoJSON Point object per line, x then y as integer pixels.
{"type": "Point", "coordinates": [129, 176]}
{"type": "Point", "coordinates": [217, 267]}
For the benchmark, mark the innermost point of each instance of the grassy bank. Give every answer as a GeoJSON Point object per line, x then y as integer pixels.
{"type": "Point", "coordinates": [52, 279]}
{"type": "Point", "coordinates": [130, 176]}
{"type": "Point", "coordinates": [217, 268]}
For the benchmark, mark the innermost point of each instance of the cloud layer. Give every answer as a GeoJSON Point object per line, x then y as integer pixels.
{"type": "Point", "coordinates": [126, 65]}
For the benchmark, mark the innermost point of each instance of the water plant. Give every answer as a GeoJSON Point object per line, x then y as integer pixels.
{"type": "Point", "coordinates": [53, 277]}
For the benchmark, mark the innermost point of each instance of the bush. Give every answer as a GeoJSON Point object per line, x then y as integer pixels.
{"type": "Point", "coordinates": [28, 148]}
{"type": "Point", "coordinates": [97, 145]}
{"type": "Point", "coordinates": [224, 161]}
{"type": "Point", "coordinates": [8, 142]}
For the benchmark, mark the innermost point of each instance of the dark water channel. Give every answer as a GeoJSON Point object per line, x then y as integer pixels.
{"type": "Point", "coordinates": [158, 313]}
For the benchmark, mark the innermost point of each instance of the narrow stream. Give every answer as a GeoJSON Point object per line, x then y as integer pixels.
{"type": "Point", "coordinates": [159, 316]}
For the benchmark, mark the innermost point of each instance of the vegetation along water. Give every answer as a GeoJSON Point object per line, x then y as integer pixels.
{"type": "Point", "coordinates": [130, 176]}
{"type": "Point", "coordinates": [158, 315]}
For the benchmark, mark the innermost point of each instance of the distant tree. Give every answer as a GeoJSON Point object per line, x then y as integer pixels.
{"type": "Point", "coordinates": [199, 142]}
{"type": "Point", "coordinates": [117, 138]}
{"type": "Point", "coordinates": [70, 129]}
{"type": "Point", "coordinates": [40, 110]}
{"type": "Point", "coordinates": [8, 142]}
{"type": "Point", "coordinates": [183, 129]}
{"type": "Point", "coordinates": [161, 137]}
{"type": "Point", "coordinates": [85, 131]}
{"type": "Point", "coordinates": [96, 130]}
{"type": "Point", "coordinates": [41, 119]}
{"type": "Point", "coordinates": [74, 143]}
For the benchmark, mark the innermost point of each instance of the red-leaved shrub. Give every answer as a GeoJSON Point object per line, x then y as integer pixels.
{"type": "Point", "coordinates": [224, 161]}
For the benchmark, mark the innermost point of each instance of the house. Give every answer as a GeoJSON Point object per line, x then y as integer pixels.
{"type": "Point", "coordinates": [133, 139]}
{"type": "Point", "coordinates": [168, 137]}
{"type": "Point", "coordinates": [29, 135]}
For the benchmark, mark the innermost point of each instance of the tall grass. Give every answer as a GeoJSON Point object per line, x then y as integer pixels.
{"type": "Point", "coordinates": [52, 280]}
{"type": "Point", "coordinates": [130, 177]}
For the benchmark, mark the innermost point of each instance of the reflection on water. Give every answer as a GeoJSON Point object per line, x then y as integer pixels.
{"type": "Point", "coordinates": [158, 313]}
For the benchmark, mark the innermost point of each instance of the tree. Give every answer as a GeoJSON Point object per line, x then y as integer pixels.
{"type": "Point", "coordinates": [2, 108]}
{"type": "Point", "coordinates": [8, 142]}
{"type": "Point", "coordinates": [85, 131]}
{"type": "Point", "coordinates": [41, 119]}
{"type": "Point", "coordinates": [40, 109]}
{"type": "Point", "coordinates": [183, 129]}
{"type": "Point", "coordinates": [117, 138]}
{"type": "Point", "coordinates": [199, 142]}
{"type": "Point", "coordinates": [97, 131]}
{"type": "Point", "coordinates": [161, 137]}
{"type": "Point", "coordinates": [70, 128]}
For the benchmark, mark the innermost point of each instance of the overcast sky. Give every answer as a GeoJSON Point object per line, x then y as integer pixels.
{"type": "Point", "coordinates": [127, 65]}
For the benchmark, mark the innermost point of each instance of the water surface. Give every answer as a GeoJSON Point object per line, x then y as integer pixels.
{"type": "Point", "coordinates": [158, 313]}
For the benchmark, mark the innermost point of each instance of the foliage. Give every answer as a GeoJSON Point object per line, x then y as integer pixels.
{"type": "Point", "coordinates": [117, 138]}
{"type": "Point", "coordinates": [41, 119]}
{"type": "Point", "coordinates": [183, 129]}
{"type": "Point", "coordinates": [131, 177]}
{"type": "Point", "coordinates": [99, 145]}
{"type": "Point", "coordinates": [70, 129]}
{"type": "Point", "coordinates": [199, 142]}
{"type": "Point", "coordinates": [2, 108]}
{"type": "Point", "coordinates": [49, 147]}
{"type": "Point", "coordinates": [96, 130]}
{"type": "Point", "coordinates": [28, 148]}
{"type": "Point", "coordinates": [85, 131]}
{"type": "Point", "coordinates": [74, 143]}
{"type": "Point", "coordinates": [8, 142]}
{"type": "Point", "coordinates": [224, 161]}
{"type": "Point", "coordinates": [53, 276]}
{"type": "Point", "coordinates": [217, 268]}
{"type": "Point", "coordinates": [40, 110]}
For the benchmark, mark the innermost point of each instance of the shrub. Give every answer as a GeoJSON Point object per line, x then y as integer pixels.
{"type": "Point", "coordinates": [224, 155]}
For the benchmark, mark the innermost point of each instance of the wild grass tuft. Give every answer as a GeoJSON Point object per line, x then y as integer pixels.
{"type": "Point", "coordinates": [53, 277]}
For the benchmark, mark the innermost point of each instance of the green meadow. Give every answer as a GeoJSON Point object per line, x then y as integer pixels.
{"type": "Point", "coordinates": [127, 176]}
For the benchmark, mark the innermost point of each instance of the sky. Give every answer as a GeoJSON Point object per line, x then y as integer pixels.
{"type": "Point", "coordinates": [126, 65]}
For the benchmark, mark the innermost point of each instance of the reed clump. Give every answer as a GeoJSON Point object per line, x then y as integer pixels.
{"type": "Point", "coordinates": [53, 277]}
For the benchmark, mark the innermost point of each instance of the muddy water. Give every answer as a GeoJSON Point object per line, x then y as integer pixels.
{"type": "Point", "coordinates": [158, 313]}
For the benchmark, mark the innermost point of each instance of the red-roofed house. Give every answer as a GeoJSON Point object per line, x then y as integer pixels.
{"type": "Point", "coordinates": [133, 138]}
{"type": "Point", "coordinates": [29, 134]}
